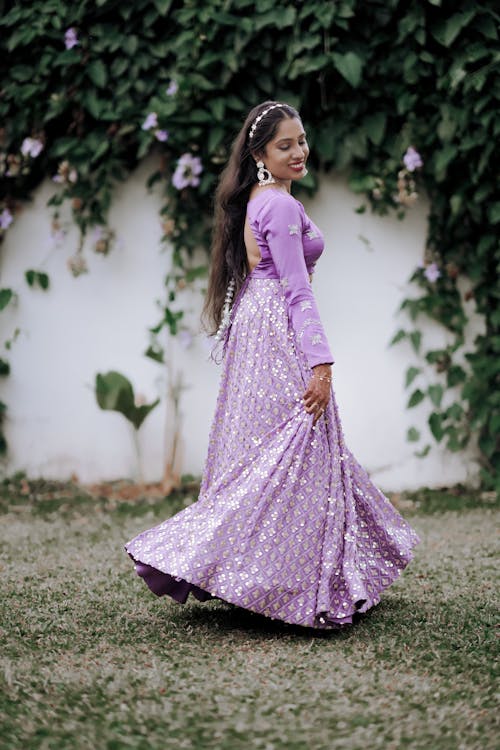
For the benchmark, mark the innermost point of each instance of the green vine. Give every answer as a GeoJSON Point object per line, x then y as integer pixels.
{"type": "Point", "coordinates": [94, 87]}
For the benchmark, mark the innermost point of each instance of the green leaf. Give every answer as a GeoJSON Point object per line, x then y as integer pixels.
{"type": "Point", "coordinates": [163, 6]}
{"type": "Point", "coordinates": [43, 280]}
{"type": "Point", "coordinates": [93, 104]}
{"type": "Point", "coordinates": [487, 27]}
{"type": "Point", "coordinates": [494, 213]}
{"type": "Point", "coordinates": [37, 277]}
{"type": "Point", "coordinates": [416, 338]}
{"type": "Point", "coordinates": [411, 374]}
{"type": "Point", "coordinates": [435, 424]}
{"type": "Point", "coordinates": [4, 367]}
{"type": "Point", "coordinates": [155, 353]}
{"type": "Point", "coordinates": [375, 126]}
{"type": "Point", "coordinates": [413, 435]}
{"type": "Point", "coordinates": [447, 31]}
{"type": "Point", "coordinates": [455, 375]}
{"type": "Point", "coordinates": [215, 138]}
{"type": "Point", "coordinates": [398, 336]}
{"type": "Point", "coordinates": [349, 65]}
{"type": "Point", "coordinates": [97, 73]}
{"type": "Point", "coordinates": [141, 412]}
{"type": "Point", "coordinates": [435, 393]}
{"type": "Point", "coordinates": [453, 441]}
{"type": "Point", "coordinates": [5, 298]}
{"type": "Point", "coordinates": [455, 204]}
{"type": "Point", "coordinates": [197, 272]}
{"type": "Point", "coordinates": [455, 411]}
{"type": "Point", "coordinates": [277, 17]}
{"type": "Point", "coordinates": [415, 398]}
{"type": "Point", "coordinates": [171, 320]}
{"type": "Point", "coordinates": [361, 183]}
{"type": "Point", "coordinates": [119, 66]}
{"type": "Point", "coordinates": [131, 44]}
{"type": "Point", "coordinates": [114, 392]}
{"type": "Point", "coordinates": [449, 122]}
{"type": "Point", "coordinates": [200, 116]}
{"type": "Point", "coordinates": [423, 453]}
{"type": "Point", "coordinates": [444, 157]}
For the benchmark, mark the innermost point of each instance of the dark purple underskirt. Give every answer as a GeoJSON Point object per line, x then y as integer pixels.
{"type": "Point", "coordinates": [163, 583]}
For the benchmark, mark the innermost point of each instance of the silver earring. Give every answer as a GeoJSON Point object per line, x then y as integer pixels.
{"type": "Point", "coordinates": [264, 176]}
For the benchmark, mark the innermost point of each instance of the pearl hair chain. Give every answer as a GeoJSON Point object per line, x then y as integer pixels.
{"type": "Point", "coordinates": [226, 311]}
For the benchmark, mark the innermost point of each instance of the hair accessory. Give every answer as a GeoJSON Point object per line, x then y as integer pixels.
{"type": "Point", "coordinates": [255, 123]}
{"type": "Point", "coordinates": [226, 311]}
{"type": "Point", "coordinates": [264, 176]}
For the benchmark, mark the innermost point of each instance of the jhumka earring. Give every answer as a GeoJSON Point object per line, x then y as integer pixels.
{"type": "Point", "coordinates": [264, 176]}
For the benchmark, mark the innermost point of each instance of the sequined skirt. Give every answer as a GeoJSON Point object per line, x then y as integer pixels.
{"type": "Point", "coordinates": [288, 524]}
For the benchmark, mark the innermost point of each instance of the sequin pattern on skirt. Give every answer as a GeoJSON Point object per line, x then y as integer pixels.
{"type": "Point", "coordinates": [288, 523]}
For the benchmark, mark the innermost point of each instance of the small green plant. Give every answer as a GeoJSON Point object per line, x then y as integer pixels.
{"type": "Point", "coordinates": [114, 392]}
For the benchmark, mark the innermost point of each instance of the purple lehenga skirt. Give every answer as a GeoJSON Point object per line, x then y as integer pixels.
{"type": "Point", "coordinates": [287, 524]}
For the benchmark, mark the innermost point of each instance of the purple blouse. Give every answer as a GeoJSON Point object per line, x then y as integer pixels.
{"type": "Point", "coordinates": [290, 244]}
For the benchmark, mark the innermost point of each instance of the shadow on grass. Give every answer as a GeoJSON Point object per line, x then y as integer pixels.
{"type": "Point", "coordinates": [217, 618]}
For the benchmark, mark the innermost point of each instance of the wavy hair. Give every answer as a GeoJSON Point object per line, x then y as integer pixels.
{"type": "Point", "coordinates": [228, 253]}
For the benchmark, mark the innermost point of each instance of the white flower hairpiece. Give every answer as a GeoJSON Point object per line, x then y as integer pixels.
{"type": "Point", "coordinates": [259, 118]}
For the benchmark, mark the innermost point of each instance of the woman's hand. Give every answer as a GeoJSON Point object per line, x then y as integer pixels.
{"type": "Point", "coordinates": [318, 391]}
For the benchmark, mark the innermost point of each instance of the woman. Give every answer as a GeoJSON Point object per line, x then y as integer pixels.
{"type": "Point", "coordinates": [287, 523]}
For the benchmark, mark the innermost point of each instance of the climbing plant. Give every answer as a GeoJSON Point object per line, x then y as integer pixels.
{"type": "Point", "coordinates": [403, 95]}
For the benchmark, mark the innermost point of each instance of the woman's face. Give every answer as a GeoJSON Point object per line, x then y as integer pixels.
{"type": "Point", "coordinates": [286, 154]}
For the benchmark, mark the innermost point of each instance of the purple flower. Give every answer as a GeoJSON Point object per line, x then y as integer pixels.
{"type": "Point", "coordinates": [6, 219]}
{"type": "Point", "coordinates": [412, 159]}
{"type": "Point", "coordinates": [150, 122]}
{"type": "Point", "coordinates": [187, 171]}
{"type": "Point", "coordinates": [172, 88]}
{"type": "Point", "coordinates": [432, 272]}
{"type": "Point", "coordinates": [70, 38]}
{"type": "Point", "coordinates": [55, 239]}
{"type": "Point", "coordinates": [32, 147]}
{"type": "Point", "coordinates": [161, 135]}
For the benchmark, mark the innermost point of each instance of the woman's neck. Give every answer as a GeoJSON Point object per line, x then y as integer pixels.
{"type": "Point", "coordinates": [285, 184]}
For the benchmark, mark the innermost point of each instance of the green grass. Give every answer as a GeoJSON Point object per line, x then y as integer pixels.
{"type": "Point", "coordinates": [91, 659]}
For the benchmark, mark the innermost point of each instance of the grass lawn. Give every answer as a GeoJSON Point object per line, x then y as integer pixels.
{"type": "Point", "coordinates": [91, 659]}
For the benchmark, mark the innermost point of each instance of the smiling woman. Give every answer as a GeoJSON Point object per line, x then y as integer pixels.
{"type": "Point", "coordinates": [287, 524]}
{"type": "Point", "coordinates": [286, 154]}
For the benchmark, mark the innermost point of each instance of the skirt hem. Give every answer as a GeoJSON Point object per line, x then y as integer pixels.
{"type": "Point", "coordinates": [179, 588]}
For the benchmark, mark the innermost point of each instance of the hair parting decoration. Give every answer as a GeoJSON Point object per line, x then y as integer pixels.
{"type": "Point", "coordinates": [228, 253]}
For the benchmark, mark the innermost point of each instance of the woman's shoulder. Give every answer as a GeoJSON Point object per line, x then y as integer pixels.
{"type": "Point", "coordinates": [274, 200]}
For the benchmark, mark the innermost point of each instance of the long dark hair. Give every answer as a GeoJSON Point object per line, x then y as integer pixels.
{"type": "Point", "coordinates": [228, 253]}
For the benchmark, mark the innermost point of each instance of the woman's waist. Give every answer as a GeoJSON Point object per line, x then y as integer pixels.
{"type": "Point", "coordinates": [264, 272]}
{"type": "Point", "coordinates": [269, 273]}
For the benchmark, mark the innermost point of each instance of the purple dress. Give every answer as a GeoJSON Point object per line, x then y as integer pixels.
{"type": "Point", "coordinates": [288, 523]}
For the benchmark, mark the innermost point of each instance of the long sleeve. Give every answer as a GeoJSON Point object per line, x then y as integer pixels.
{"type": "Point", "coordinates": [281, 226]}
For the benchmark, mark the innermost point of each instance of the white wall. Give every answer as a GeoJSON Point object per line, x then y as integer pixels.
{"type": "Point", "coordinates": [99, 322]}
